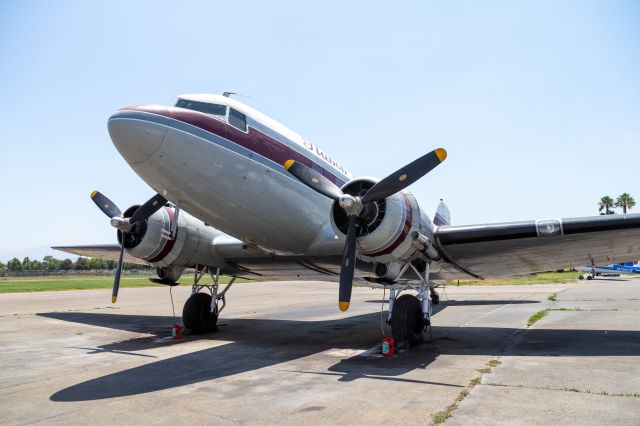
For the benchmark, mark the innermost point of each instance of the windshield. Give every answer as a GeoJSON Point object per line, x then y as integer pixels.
{"type": "Point", "coordinates": [213, 109]}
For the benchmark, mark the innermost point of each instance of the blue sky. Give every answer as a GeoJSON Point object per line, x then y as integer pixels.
{"type": "Point", "coordinates": [536, 102]}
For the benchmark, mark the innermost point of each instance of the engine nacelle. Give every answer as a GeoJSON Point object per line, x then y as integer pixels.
{"type": "Point", "coordinates": [386, 228]}
{"type": "Point", "coordinates": [151, 241]}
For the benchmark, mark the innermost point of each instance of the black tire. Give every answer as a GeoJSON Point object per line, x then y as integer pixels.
{"type": "Point", "coordinates": [435, 298]}
{"type": "Point", "coordinates": [196, 314]}
{"type": "Point", "coordinates": [589, 277]}
{"type": "Point", "coordinates": [581, 277]}
{"type": "Point", "coordinates": [406, 321]}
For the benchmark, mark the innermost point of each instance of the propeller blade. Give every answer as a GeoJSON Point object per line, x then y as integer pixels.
{"type": "Point", "coordinates": [154, 204]}
{"type": "Point", "coordinates": [405, 176]}
{"type": "Point", "coordinates": [313, 179]}
{"type": "Point", "coordinates": [116, 281]}
{"type": "Point", "coordinates": [105, 204]}
{"type": "Point", "coordinates": [348, 265]}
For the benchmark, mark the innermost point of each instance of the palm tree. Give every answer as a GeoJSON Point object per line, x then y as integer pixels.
{"type": "Point", "coordinates": [625, 201]}
{"type": "Point", "coordinates": [605, 204]}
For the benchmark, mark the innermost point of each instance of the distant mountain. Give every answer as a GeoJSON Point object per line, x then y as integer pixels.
{"type": "Point", "coordinates": [36, 253]}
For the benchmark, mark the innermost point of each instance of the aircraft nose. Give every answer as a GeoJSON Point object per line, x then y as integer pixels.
{"type": "Point", "coordinates": [136, 140]}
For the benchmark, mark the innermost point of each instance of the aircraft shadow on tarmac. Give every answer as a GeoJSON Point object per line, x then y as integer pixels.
{"type": "Point", "coordinates": [444, 303]}
{"type": "Point", "coordinates": [259, 343]}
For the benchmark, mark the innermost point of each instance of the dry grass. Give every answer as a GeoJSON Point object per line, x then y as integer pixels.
{"type": "Point", "coordinates": [443, 415]}
{"type": "Point", "coordinates": [537, 317]}
{"type": "Point", "coordinates": [542, 278]}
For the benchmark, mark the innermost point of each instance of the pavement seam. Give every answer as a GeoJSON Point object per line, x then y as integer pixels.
{"type": "Point", "coordinates": [588, 391]}
{"type": "Point", "coordinates": [445, 414]}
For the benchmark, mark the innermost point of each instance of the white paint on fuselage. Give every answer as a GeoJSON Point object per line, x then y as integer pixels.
{"type": "Point", "coordinates": [235, 194]}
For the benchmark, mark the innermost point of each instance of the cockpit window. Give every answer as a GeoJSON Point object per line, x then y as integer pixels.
{"type": "Point", "coordinates": [207, 108]}
{"type": "Point", "coordinates": [238, 120]}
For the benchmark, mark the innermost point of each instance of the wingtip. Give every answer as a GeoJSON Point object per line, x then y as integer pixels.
{"type": "Point", "coordinates": [344, 306]}
{"type": "Point", "coordinates": [441, 153]}
{"type": "Point", "coordinates": [93, 193]}
{"type": "Point", "coordinates": [288, 164]}
{"type": "Point", "coordinates": [113, 299]}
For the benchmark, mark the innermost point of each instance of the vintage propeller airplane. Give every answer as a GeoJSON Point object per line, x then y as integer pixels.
{"type": "Point", "coordinates": [242, 195]}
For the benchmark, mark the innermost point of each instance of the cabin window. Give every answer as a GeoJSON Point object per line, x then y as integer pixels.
{"type": "Point", "coordinates": [207, 108]}
{"type": "Point", "coordinates": [238, 120]}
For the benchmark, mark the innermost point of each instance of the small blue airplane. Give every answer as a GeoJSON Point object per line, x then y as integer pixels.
{"type": "Point", "coordinates": [612, 270]}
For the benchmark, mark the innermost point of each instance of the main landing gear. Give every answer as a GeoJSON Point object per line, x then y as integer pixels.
{"type": "Point", "coordinates": [410, 316]}
{"type": "Point", "coordinates": [200, 312]}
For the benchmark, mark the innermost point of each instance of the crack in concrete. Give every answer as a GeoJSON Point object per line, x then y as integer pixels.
{"type": "Point", "coordinates": [566, 389]}
{"type": "Point", "coordinates": [443, 415]}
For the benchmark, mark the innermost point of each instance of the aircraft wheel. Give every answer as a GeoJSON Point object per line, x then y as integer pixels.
{"type": "Point", "coordinates": [435, 298]}
{"type": "Point", "coordinates": [581, 277]}
{"type": "Point", "coordinates": [196, 314]}
{"type": "Point", "coordinates": [589, 277]}
{"type": "Point", "coordinates": [406, 321]}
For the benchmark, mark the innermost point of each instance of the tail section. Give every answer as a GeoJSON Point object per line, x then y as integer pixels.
{"type": "Point", "coordinates": [442, 217]}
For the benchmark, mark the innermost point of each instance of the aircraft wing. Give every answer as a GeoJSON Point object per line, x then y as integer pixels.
{"type": "Point", "coordinates": [519, 248]}
{"type": "Point", "coordinates": [103, 251]}
{"type": "Point", "coordinates": [482, 251]}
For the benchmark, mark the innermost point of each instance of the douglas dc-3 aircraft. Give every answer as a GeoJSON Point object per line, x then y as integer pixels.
{"type": "Point", "coordinates": [242, 195]}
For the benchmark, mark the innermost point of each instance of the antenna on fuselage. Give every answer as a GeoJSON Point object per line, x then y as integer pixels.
{"type": "Point", "coordinates": [228, 95]}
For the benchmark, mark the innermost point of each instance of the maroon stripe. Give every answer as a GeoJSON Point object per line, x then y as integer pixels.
{"type": "Point", "coordinates": [168, 245]}
{"type": "Point", "coordinates": [403, 235]}
{"type": "Point", "coordinates": [437, 221]}
{"type": "Point", "coordinates": [254, 141]}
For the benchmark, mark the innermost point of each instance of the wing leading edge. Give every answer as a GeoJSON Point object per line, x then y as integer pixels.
{"type": "Point", "coordinates": [519, 248]}
{"type": "Point", "coordinates": [103, 251]}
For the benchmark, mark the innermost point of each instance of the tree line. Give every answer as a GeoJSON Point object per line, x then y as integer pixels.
{"type": "Point", "coordinates": [50, 263]}
{"type": "Point", "coordinates": [624, 201]}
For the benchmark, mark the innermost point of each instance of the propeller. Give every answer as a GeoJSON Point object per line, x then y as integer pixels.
{"type": "Point", "coordinates": [125, 225]}
{"type": "Point", "coordinates": [147, 209]}
{"type": "Point", "coordinates": [354, 205]}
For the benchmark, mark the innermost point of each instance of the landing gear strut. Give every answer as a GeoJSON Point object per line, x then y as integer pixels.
{"type": "Point", "coordinates": [200, 312]}
{"type": "Point", "coordinates": [410, 316]}
{"type": "Point", "coordinates": [589, 276]}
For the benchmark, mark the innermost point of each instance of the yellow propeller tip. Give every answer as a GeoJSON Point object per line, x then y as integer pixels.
{"type": "Point", "coordinates": [288, 164]}
{"type": "Point", "coordinates": [93, 193]}
{"type": "Point", "coordinates": [113, 299]}
{"type": "Point", "coordinates": [441, 153]}
{"type": "Point", "coordinates": [343, 306]}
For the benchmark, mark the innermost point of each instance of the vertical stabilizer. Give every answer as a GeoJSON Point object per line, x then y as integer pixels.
{"type": "Point", "coordinates": [442, 217]}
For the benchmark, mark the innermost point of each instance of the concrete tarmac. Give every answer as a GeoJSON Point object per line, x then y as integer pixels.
{"type": "Point", "coordinates": [284, 354]}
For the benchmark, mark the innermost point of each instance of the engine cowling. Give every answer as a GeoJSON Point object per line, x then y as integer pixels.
{"type": "Point", "coordinates": [386, 227]}
{"type": "Point", "coordinates": [151, 240]}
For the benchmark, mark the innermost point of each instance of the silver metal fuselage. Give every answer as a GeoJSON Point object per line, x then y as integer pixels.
{"type": "Point", "coordinates": [228, 186]}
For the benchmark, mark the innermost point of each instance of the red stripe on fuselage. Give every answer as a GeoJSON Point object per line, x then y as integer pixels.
{"type": "Point", "coordinates": [405, 230]}
{"type": "Point", "coordinates": [254, 141]}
